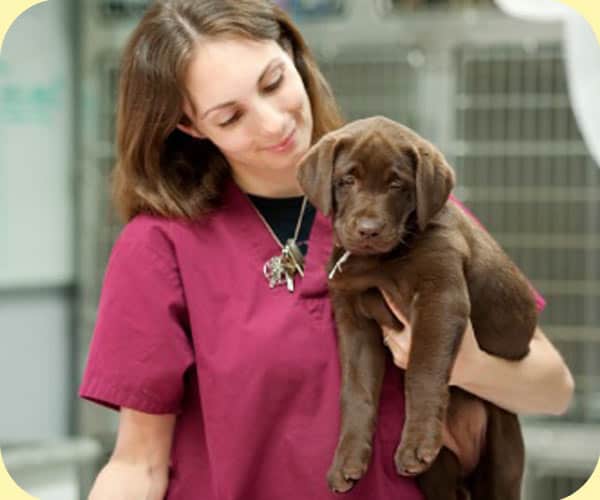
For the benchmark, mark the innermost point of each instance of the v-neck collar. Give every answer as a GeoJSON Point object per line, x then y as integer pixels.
{"type": "Point", "coordinates": [256, 237]}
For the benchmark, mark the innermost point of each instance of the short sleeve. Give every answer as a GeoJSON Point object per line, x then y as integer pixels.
{"type": "Point", "coordinates": [540, 302]}
{"type": "Point", "coordinates": [140, 348]}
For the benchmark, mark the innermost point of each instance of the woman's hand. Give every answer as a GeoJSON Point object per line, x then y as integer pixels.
{"type": "Point", "coordinates": [539, 383]}
{"type": "Point", "coordinates": [468, 354]}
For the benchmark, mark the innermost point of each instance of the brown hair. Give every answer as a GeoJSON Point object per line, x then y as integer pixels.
{"type": "Point", "coordinates": [160, 169]}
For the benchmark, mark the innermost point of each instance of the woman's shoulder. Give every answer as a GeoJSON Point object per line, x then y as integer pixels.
{"type": "Point", "coordinates": [159, 236]}
{"type": "Point", "coordinates": [145, 229]}
{"type": "Point", "coordinates": [147, 234]}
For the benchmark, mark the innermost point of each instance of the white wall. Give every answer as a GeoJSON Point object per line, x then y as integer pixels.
{"type": "Point", "coordinates": [34, 367]}
{"type": "Point", "coordinates": [36, 224]}
{"type": "Point", "coordinates": [36, 99]}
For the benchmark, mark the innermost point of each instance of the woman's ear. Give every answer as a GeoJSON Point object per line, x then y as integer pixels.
{"type": "Point", "coordinates": [190, 130]}
{"type": "Point", "coordinates": [187, 126]}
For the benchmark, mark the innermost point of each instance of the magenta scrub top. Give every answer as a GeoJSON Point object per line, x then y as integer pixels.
{"type": "Point", "coordinates": [187, 324]}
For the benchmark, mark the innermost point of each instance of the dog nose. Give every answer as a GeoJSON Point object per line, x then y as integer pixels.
{"type": "Point", "coordinates": [369, 228]}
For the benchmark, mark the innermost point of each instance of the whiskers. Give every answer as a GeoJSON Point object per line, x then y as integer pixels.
{"type": "Point", "coordinates": [406, 236]}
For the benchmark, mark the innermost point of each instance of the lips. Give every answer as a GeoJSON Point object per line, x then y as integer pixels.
{"type": "Point", "coordinates": [285, 143]}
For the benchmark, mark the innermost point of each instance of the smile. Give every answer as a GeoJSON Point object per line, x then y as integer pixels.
{"type": "Point", "coordinates": [284, 145]}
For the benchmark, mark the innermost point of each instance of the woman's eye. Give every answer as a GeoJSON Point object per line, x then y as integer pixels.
{"type": "Point", "coordinates": [275, 83]}
{"type": "Point", "coordinates": [232, 119]}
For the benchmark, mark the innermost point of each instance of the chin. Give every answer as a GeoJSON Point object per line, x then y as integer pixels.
{"type": "Point", "coordinates": [372, 248]}
{"type": "Point", "coordinates": [290, 164]}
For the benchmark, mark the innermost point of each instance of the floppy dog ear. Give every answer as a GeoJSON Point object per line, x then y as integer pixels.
{"type": "Point", "coordinates": [315, 173]}
{"type": "Point", "coordinates": [434, 182]}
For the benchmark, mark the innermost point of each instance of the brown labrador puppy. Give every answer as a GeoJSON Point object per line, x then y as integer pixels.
{"type": "Point", "coordinates": [387, 190]}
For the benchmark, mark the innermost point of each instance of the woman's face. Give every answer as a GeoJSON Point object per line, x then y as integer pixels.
{"type": "Point", "coordinates": [251, 103]}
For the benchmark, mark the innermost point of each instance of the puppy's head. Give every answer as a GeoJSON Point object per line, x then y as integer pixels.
{"type": "Point", "coordinates": [371, 176]}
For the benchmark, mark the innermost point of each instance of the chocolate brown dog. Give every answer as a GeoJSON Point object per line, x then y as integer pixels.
{"type": "Point", "coordinates": [387, 190]}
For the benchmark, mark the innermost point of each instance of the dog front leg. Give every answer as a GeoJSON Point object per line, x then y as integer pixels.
{"type": "Point", "coordinates": [362, 359]}
{"type": "Point", "coordinates": [439, 320]}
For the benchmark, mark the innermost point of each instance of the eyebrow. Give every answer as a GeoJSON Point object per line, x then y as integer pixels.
{"type": "Point", "coordinates": [229, 103]}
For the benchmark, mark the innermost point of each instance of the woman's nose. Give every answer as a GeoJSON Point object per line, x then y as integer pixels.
{"type": "Point", "coordinates": [270, 120]}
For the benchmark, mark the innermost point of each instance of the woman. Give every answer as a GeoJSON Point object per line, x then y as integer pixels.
{"type": "Point", "coordinates": [224, 365]}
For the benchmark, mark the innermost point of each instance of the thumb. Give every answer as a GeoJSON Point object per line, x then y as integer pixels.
{"type": "Point", "coordinates": [399, 344]}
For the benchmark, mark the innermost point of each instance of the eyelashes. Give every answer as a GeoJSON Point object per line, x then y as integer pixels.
{"type": "Point", "coordinates": [235, 117]}
{"type": "Point", "coordinates": [275, 85]}
{"type": "Point", "coordinates": [272, 87]}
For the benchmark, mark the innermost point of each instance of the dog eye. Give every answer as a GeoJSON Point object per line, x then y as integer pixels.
{"type": "Point", "coordinates": [346, 180]}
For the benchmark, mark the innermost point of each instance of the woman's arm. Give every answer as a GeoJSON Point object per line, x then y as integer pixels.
{"type": "Point", "coordinates": [539, 383]}
{"type": "Point", "coordinates": [139, 465]}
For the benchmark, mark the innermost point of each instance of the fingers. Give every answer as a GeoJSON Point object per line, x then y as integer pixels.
{"type": "Point", "coordinates": [394, 308]}
{"type": "Point", "coordinates": [398, 342]}
{"type": "Point", "coordinates": [399, 345]}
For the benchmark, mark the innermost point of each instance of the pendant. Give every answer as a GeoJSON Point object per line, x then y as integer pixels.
{"type": "Point", "coordinates": [276, 273]}
{"type": "Point", "coordinates": [281, 269]}
{"type": "Point", "coordinates": [292, 254]}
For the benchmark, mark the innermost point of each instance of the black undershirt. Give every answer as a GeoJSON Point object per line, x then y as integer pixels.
{"type": "Point", "coordinates": [282, 215]}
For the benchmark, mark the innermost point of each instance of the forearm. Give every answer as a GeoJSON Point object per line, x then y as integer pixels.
{"type": "Point", "coordinates": [139, 466]}
{"type": "Point", "coordinates": [539, 383]}
{"type": "Point", "coordinates": [130, 481]}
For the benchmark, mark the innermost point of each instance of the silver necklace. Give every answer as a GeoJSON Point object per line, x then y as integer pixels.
{"type": "Point", "coordinates": [281, 269]}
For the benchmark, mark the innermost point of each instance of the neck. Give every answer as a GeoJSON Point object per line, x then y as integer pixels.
{"type": "Point", "coordinates": [269, 183]}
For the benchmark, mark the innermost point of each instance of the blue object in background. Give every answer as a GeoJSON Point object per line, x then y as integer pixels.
{"type": "Point", "coordinates": [302, 9]}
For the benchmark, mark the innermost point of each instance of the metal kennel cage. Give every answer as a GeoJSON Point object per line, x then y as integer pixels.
{"type": "Point", "coordinates": [491, 92]}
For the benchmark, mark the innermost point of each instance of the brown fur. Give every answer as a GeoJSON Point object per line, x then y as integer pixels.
{"type": "Point", "coordinates": [387, 191]}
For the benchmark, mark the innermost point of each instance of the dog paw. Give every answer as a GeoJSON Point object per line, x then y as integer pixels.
{"type": "Point", "coordinates": [348, 467]}
{"type": "Point", "coordinates": [415, 455]}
